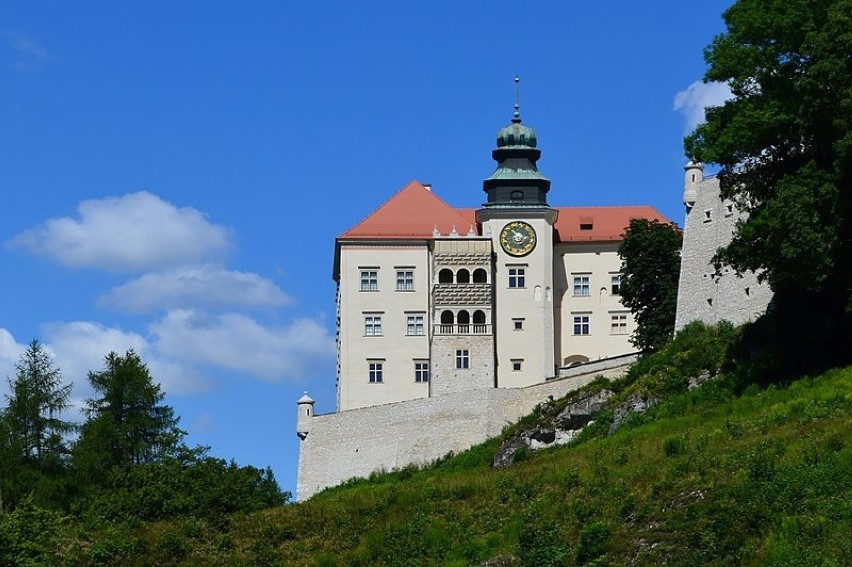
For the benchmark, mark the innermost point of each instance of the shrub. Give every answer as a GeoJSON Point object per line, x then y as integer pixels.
{"type": "Point", "coordinates": [594, 538]}
{"type": "Point", "coordinates": [541, 544]}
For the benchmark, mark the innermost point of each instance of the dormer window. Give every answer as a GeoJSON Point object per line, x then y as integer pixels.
{"type": "Point", "coordinates": [587, 223]}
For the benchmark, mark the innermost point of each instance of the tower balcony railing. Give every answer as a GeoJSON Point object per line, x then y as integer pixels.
{"type": "Point", "coordinates": [463, 329]}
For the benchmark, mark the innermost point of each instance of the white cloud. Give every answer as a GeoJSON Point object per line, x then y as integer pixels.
{"type": "Point", "coordinates": [32, 54]}
{"type": "Point", "coordinates": [194, 286]}
{"type": "Point", "coordinates": [692, 101]}
{"type": "Point", "coordinates": [80, 347]}
{"type": "Point", "coordinates": [240, 343]}
{"type": "Point", "coordinates": [10, 353]}
{"type": "Point", "coordinates": [134, 232]}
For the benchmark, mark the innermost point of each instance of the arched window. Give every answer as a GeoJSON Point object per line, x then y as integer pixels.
{"type": "Point", "coordinates": [447, 320]}
{"type": "Point", "coordinates": [463, 320]}
{"type": "Point", "coordinates": [480, 276]}
{"type": "Point", "coordinates": [462, 276]}
{"type": "Point", "coordinates": [445, 276]}
{"type": "Point", "coordinates": [575, 360]}
{"type": "Point", "coordinates": [479, 317]}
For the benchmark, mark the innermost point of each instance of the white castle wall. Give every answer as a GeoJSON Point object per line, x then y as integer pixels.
{"type": "Point", "coordinates": [354, 443]}
{"type": "Point", "coordinates": [709, 225]}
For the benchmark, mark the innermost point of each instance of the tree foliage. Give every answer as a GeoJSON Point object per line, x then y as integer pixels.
{"type": "Point", "coordinates": [188, 483]}
{"type": "Point", "coordinates": [127, 424]}
{"type": "Point", "coordinates": [650, 269]}
{"type": "Point", "coordinates": [33, 415]}
{"type": "Point", "coordinates": [33, 435]}
{"type": "Point", "coordinates": [784, 145]}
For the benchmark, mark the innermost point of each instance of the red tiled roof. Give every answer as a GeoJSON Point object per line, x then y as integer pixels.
{"type": "Point", "coordinates": [413, 212]}
{"type": "Point", "coordinates": [600, 224]}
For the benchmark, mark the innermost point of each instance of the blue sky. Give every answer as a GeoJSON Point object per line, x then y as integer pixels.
{"type": "Point", "coordinates": [174, 174]}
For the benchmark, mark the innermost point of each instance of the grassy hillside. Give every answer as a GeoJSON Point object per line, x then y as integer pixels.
{"type": "Point", "coordinates": [719, 475]}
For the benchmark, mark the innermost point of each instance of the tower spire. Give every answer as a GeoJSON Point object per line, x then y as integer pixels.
{"type": "Point", "coordinates": [516, 116]}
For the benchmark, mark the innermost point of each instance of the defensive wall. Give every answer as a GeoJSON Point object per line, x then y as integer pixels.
{"type": "Point", "coordinates": [354, 443]}
{"type": "Point", "coordinates": [702, 294]}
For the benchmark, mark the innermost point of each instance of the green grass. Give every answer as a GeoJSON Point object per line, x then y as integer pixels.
{"type": "Point", "coordinates": [707, 477]}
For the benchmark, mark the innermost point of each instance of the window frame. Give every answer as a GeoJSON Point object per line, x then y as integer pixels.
{"type": "Point", "coordinates": [421, 371]}
{"type": "Point", "coordinates": [404, 279]}
{"type": "Point", "coordinates": [517, 276]}
{"type": "Point", "coordinates": [517, 364]}
{"type": "Point", "coordinates": [615, 283]}
{"type": "Point", "coordinates": [582, 325]}
{"type": "Point", "coordinates": [418, 324]}
{"type": "Point", "coordinates": [375, 371]}
{"type": "Point", "coordinates": [369, 279]}
{"type": "Point", "coordinates": [618, 322]}
{"type": "Point", "coordinates": [583, 283]}
{"type": "Point", "coordinates": [372, 324]}
{"type": "Point", "coordinates": [462, 359]}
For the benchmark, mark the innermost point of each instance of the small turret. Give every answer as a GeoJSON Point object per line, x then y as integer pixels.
{"type": "Point", "coordinates": [693, 176]}
{"type": "Point", "coordinates": [306, 412]}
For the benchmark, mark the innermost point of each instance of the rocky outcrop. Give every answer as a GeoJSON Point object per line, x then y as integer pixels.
{"type": "Point", "coordinates": [634, 404]}
{"type": "Point", "coordinates": [554, 429]}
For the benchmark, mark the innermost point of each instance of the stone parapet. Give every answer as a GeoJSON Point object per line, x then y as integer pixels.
{"type": "Point", "coordinates": [357, 442]}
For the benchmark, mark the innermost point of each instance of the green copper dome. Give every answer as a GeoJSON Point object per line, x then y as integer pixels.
{"type": "Point", "coordinates": [516, 134]}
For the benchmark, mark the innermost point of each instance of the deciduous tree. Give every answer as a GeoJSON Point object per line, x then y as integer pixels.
{"type": "Point", "coordinates": [650, 269]}
{"type": "Point", "coordinates": [784, 145]}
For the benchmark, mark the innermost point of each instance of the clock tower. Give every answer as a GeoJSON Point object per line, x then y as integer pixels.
{"type": "Point", "coordinates": [519, 222]}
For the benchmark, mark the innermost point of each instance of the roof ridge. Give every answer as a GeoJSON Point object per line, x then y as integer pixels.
{"type": "Point", "coordinates": [380, 207]}
{"type": "Point", "coordinates": [458, 218]}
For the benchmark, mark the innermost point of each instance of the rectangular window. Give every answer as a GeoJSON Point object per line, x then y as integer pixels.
{"type": "Point", "coordinates": [370, 280]}
{"type": "Point", "coordinates": [376, 369]}
{"type": "Point", "coordinates": [372, 325]}
{"type": "Point", "coordinates": [518, 324]}
{"type": "Point", "coordinates": [581, 286]}
{"type": "Point", "coordinates": [414, 325]}
{"type": "Point", "coordinates": [462, 359]}
{"type": "Point", "coordinates": [421, 370]}
{"type": "Point", "coordinates": [517, 364]}
{"type": "Point", "coordinates": [618, 324]}
{"type": "Point", "coordinates": [517, 277]}
{"type": "Point", "coordinates": [616, 284]}
{"type": "Point", "coordinates": [581, 324]}
{"type": "Point", "coordinates": [405, 280]}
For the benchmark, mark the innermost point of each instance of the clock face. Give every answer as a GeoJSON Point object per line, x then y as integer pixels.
{"type": "Point", "coordinates": [517, 238]}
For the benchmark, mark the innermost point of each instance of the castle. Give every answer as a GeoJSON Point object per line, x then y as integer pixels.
{"type": "Point", "coordinates": [452, 322]}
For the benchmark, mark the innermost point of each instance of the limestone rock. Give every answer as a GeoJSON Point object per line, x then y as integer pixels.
{"type": "Point", "coordinates": [579, 413]}
{"type": "Point", "coordinates": [636, 403]}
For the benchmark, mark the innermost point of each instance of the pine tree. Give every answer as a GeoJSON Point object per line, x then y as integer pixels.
{"type": "Point", "coordinates": [34, 427]}
{"type": "Point", "coordinates": [127, 424]}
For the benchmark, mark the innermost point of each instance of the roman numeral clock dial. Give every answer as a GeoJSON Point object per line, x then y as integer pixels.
{"type": "Point", "coordinates": [518, 238]}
